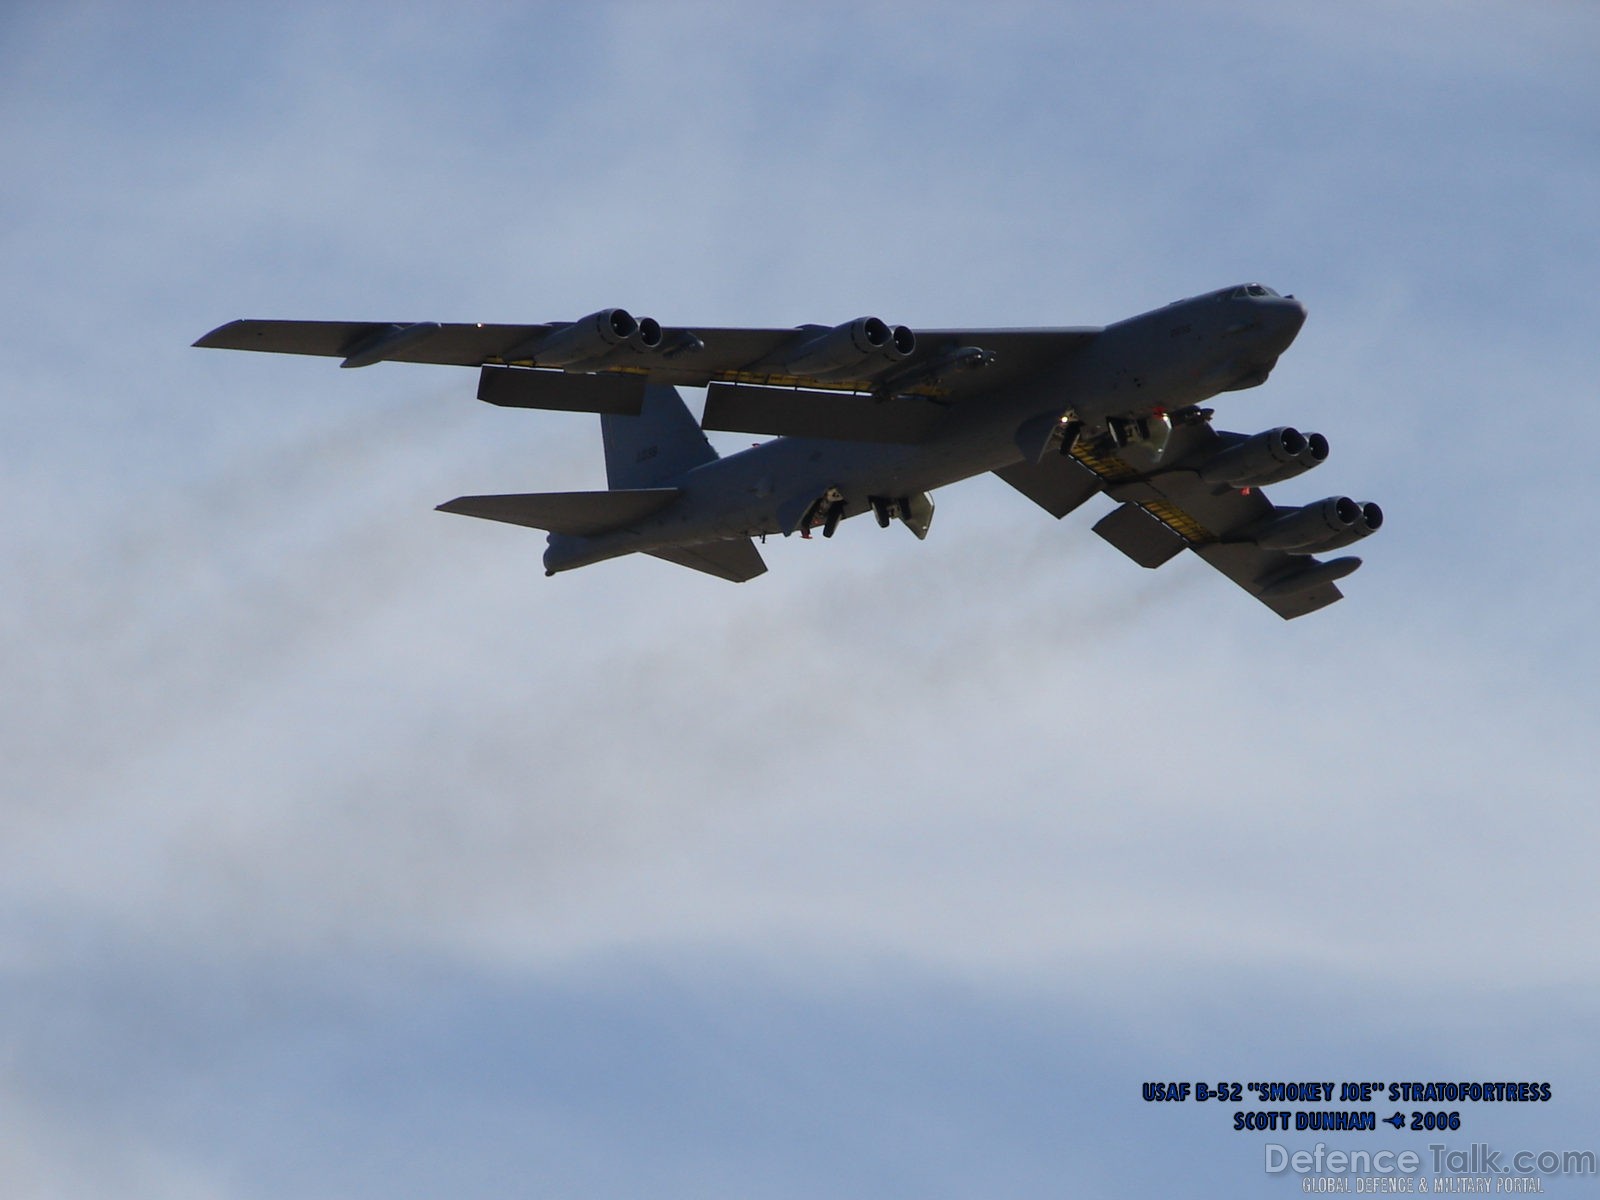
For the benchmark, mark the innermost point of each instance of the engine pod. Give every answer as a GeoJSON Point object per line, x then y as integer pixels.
{"type": "Point", "coordinates": [1312, 528]}
{"type": "Point", "coordinates": [859, 348]}
{"type": "Point", "coordinates": [1268, 457]}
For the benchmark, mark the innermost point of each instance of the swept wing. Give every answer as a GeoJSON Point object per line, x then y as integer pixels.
{"type": "Point", "coordinates": [1169, 509]}
{"type": "Point", "coordinates": [939, 362]}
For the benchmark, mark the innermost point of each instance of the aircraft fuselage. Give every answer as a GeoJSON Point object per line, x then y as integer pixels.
{"type": "Point", "coordinates": [1160, 361]}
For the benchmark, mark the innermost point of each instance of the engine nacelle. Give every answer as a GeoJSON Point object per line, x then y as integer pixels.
{"type": "Point", "coordinates": [1269, 457]}
{"type": "Point", "coordinates": [1312, 528]}
{"type": "Point", "coordinates": [862, 347]}
{"type": "Point", "coordinates": [648, 336]}
{"type": "Point", "coordinates": [1369, 521]}
{"type": "Point", "coordinates": [592, 339]}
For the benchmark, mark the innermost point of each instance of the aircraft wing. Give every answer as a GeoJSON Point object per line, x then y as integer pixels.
{"type": "Point", "coordinates": [428, 342]}
{"type": "Point", "coordinates": [939, 362]}
{"type": "Point", "coordinates": [1164, 511]}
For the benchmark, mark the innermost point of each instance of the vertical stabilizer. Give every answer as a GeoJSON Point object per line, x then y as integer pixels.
{"type": "Point", "coordinates": [659, 444]}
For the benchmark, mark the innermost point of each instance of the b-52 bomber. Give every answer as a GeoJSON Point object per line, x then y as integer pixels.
{"type": "Point", "coordinates": [870, 418]}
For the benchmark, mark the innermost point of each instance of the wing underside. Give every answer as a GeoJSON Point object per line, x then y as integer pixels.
{"type": "Point", "coordinates": [943, 361]}
{"type": "Point", "coordinates": [1160, 513]}
{"type": "Point", "coordinates": [813, 381]}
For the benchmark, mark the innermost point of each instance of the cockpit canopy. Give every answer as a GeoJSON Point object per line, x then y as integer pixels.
{"type": "Point", "coordinates": [1245, 290]}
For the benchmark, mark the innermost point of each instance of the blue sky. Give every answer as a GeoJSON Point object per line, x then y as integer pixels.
{"type": "Point", "coordinates": [341, 853]}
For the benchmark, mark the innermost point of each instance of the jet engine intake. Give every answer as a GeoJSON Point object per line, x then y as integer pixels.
{"type": "Point", "coordinates": [1368, 522]}
{"type": "Point", "coordinates": [859, 348]}
{"type": "Point", "coordinates": [1312, 528]}
{"type": "Point", "coordinates": [648, 336]}
{"type": "Point", "coordinates": [1269, 457]}
{"type": "Point", "coordinates": [591, 340]}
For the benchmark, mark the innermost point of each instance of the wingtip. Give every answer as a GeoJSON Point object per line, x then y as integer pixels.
{"type": "Point", "coordinates": [210, 339]}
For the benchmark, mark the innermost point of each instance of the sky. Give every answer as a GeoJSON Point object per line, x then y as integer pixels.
{"type": "Point", "coordinates": [344, 854]}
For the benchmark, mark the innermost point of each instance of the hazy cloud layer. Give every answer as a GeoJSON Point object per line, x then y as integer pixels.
{"type": "Point", "coordinates": [343, 853]}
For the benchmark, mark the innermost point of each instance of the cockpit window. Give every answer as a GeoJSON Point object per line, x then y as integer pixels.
{"type": "Point", "coordinates": [1247, 289]}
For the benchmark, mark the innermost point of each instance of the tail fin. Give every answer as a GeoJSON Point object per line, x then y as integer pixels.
{"type": "Point", "coordinates": [659, 444]}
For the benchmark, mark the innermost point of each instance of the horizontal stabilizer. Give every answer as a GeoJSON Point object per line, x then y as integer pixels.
{"type": "Point", "coordinates": [518, 387]}
{"type": "Point", "coordinates": [845, 416]}
{"type": "Point", "coordinates": [735, 560]}
{"type": "Point", "coordinates": [579, 514]}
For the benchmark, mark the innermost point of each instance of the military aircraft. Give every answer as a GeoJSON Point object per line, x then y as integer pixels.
{"type": "Point", "coordinates": [870, 418]}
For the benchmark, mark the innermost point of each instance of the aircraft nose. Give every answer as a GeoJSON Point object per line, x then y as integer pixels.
{"type": "Point", "coordinates": [1288, 314]}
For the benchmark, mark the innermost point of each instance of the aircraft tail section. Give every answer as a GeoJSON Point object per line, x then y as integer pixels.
{"type": "Point", "coordinates": [644, 454]}
{"type": "Point", "coordinates": [659, 444]}
{"type": "Point", "coordinates": [735, 560]}
{"type": "Point", "coordinates": [575, 514]}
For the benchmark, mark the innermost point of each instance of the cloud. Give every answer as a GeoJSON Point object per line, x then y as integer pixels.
{"type": "Point", "coordinates": [283, 748]}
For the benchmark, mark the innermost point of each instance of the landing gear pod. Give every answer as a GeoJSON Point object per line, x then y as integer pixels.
{"type": "Point", "coordinates": [914, 511]}
{"type": "Point", "coordinates": [1138, 441]}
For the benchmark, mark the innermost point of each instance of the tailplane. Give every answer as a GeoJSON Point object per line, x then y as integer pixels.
{"type": "Point", "coordinates": [576, 514]}
{"type": "Point", "coordinates": [735, 559]}
{"type": "Point", "coordinates": [645, 454]}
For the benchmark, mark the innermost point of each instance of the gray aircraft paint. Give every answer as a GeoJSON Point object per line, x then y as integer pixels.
{"type": "Point", "coordinates": [966, 408]}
